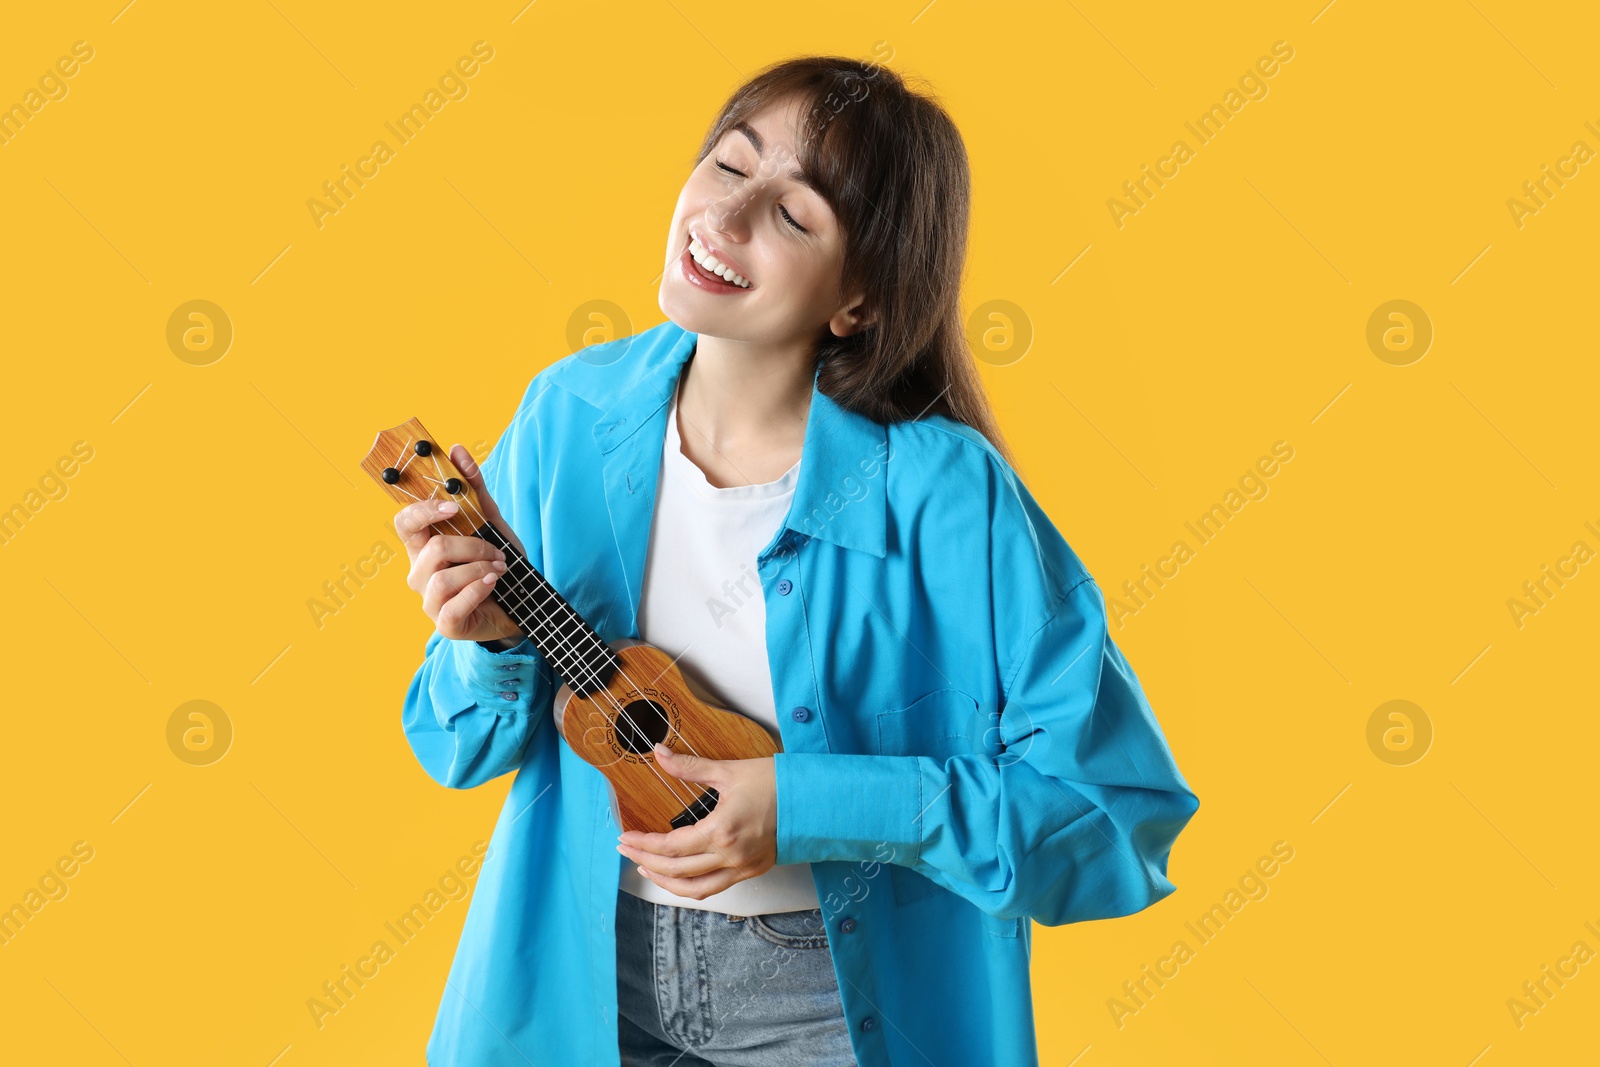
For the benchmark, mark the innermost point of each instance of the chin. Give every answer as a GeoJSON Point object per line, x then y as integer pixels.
{"type": "Point", "coordinates": [685, 312]}
{"type": "Point", "coordinates": [710, 316]}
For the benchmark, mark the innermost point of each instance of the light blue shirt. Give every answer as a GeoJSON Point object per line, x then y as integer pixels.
{"type": "Point", "coordinates": [965, 750]}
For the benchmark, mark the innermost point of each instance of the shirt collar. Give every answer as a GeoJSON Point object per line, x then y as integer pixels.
{"type": "Point", "coordinates": [840, 495]}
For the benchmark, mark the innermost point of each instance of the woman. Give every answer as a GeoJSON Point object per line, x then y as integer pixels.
{"type": "Point", "coordinates": [795, 486]}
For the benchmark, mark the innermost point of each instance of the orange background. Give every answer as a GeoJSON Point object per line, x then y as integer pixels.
{"type": "Point", "coordinates": [1439, 859]}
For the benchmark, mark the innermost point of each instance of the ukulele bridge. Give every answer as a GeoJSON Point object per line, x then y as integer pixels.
{"type": "Point", "coordinates": [696, 811]}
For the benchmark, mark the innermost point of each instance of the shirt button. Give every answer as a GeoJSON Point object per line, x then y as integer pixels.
{"type": "Point", "coordinates": [848, 926]}
{"type": "Point", "coordinates": [868, 1023]}
{"type": "Point", "coordinates": [784, 586]}
{"type": "Point", "coordinates": [801, 714]}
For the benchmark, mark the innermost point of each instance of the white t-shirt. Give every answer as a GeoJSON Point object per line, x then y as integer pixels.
{"type": "Point", "coordinates": [702, 602]}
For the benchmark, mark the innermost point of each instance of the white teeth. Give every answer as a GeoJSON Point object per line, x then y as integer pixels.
{"type": "Point", "coordinates": [709, 262]}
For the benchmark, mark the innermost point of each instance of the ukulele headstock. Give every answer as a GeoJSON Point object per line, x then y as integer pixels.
{"type": "Point", "coordinates": [411, 465]}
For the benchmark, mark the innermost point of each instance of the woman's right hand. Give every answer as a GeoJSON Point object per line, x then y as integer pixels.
{"type": "Point", "coordinates": [456, 572]}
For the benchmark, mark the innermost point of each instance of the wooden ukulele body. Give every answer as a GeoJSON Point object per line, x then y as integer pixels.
{"type": "Point", "coordinates": [645, 702]}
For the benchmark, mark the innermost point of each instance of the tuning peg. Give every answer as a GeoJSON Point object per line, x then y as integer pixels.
{"type": "Point", "coordinates": [453, 486]}
{"type": "Point", "coordinates": [390, 475]}
{"type": "Point", "coordinates": [424, 448]}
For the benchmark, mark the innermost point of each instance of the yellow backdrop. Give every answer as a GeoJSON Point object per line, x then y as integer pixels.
{"type": "Point", "coordinates": [1287, 310]}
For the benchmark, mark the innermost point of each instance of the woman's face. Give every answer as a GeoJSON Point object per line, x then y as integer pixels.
{"type": "Point", "coordinates": [744, 207]}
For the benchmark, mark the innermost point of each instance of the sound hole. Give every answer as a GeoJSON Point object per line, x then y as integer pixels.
{"type": "Point", "coordinates": [640, 725]}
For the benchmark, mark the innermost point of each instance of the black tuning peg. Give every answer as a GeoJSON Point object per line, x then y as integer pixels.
{"type": "Point", "coordinates": [424, 448]}
{"type": "Point", "coordinates": [453, 486]}
{"type": "Point", "coordinates": [390, 475]}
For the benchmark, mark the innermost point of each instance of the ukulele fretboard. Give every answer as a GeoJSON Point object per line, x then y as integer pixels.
{"type": "Point", "coordinates": [584, 661]}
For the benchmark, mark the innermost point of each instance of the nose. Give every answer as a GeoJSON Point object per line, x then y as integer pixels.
{"type": "Point", "coordinates": [725, 220]}
{"type": "Point", "coordinates": [726, 217]}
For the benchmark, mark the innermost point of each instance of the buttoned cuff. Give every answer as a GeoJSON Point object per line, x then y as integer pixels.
{"type": "Point", "coordinates": [490, 676]}
{"type": "Point", "coordinates": [851, 807]}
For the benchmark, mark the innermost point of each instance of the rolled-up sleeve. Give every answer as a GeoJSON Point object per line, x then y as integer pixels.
{"type": "Point", "coordinates": [1076, 817]}
{"type": "Point", "coordinates": [1071, 812]}
{"type": "Point", "coordinates": [470, 712]}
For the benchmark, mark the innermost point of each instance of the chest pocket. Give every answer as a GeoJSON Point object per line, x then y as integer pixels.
{"type": "Point", "coordinates": [944, 723]}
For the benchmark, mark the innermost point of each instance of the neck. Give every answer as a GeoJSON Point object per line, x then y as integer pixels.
{"type": "Point", "coordinates": [745, 397]}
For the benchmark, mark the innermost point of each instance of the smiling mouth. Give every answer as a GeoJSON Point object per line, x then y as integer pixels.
{"type": "Point", "coordinates": [708, 266]}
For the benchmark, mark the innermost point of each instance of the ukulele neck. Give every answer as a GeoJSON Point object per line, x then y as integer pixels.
{"type": "Point", "coordinates": [570, 645]}
{"type": "Point", "coordinates": [405, 461]}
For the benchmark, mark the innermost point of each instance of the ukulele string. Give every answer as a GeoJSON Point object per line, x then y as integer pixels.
{"type": "Point", "coordinates": [553, 637]}
{"type": "Point", "coordinates": [565, 643]}
{"type": "Point", "coordinates": [591, 638]}
{"type": "Point", "coordinates": [409, 457]}
{"type": "Point", "coordinates": [481, 520]}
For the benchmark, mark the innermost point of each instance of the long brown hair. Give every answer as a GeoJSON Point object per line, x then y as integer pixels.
{"type": "Point", "coordinates": [893, 166]}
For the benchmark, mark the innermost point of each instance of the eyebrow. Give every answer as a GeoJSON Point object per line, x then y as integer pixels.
{"type": "Point", "coordinates": [794, 175]}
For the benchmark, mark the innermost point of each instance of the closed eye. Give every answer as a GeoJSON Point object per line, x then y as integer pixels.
{"type": "Point", "coordinates": [781, 209]}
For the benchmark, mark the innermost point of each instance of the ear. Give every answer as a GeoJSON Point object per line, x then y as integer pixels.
{"type": "Point", "coordinates": [852, 319]}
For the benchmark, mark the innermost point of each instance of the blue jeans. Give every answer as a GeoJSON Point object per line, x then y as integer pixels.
{"type": "Point", "coordinates": [698, 988]}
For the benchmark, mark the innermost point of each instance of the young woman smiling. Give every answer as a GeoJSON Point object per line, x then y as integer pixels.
{"type": "Point", "coordinates": [796, 487]}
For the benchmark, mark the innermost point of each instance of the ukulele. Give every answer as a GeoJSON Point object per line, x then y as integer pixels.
{"type": "Point", "coordinates": [616, 700]}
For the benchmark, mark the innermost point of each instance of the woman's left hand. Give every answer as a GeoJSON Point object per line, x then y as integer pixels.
{"type": "Point", "coordinates": [738, 840]}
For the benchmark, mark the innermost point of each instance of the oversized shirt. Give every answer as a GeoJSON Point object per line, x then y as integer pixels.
{"type": "Point", "coordinates": [965, 750]}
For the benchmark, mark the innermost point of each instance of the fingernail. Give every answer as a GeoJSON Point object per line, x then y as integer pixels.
{"type": "Point", "coordinates": [642, 871]}
{"type": "Point", "coordinates": [449, 507]}
{"type": "Point", "coordinates": [499, 566]}
{"type": "Point", "coordinates": [662, 750]}
{"type": "Point", "coordinates": [488, 579]}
